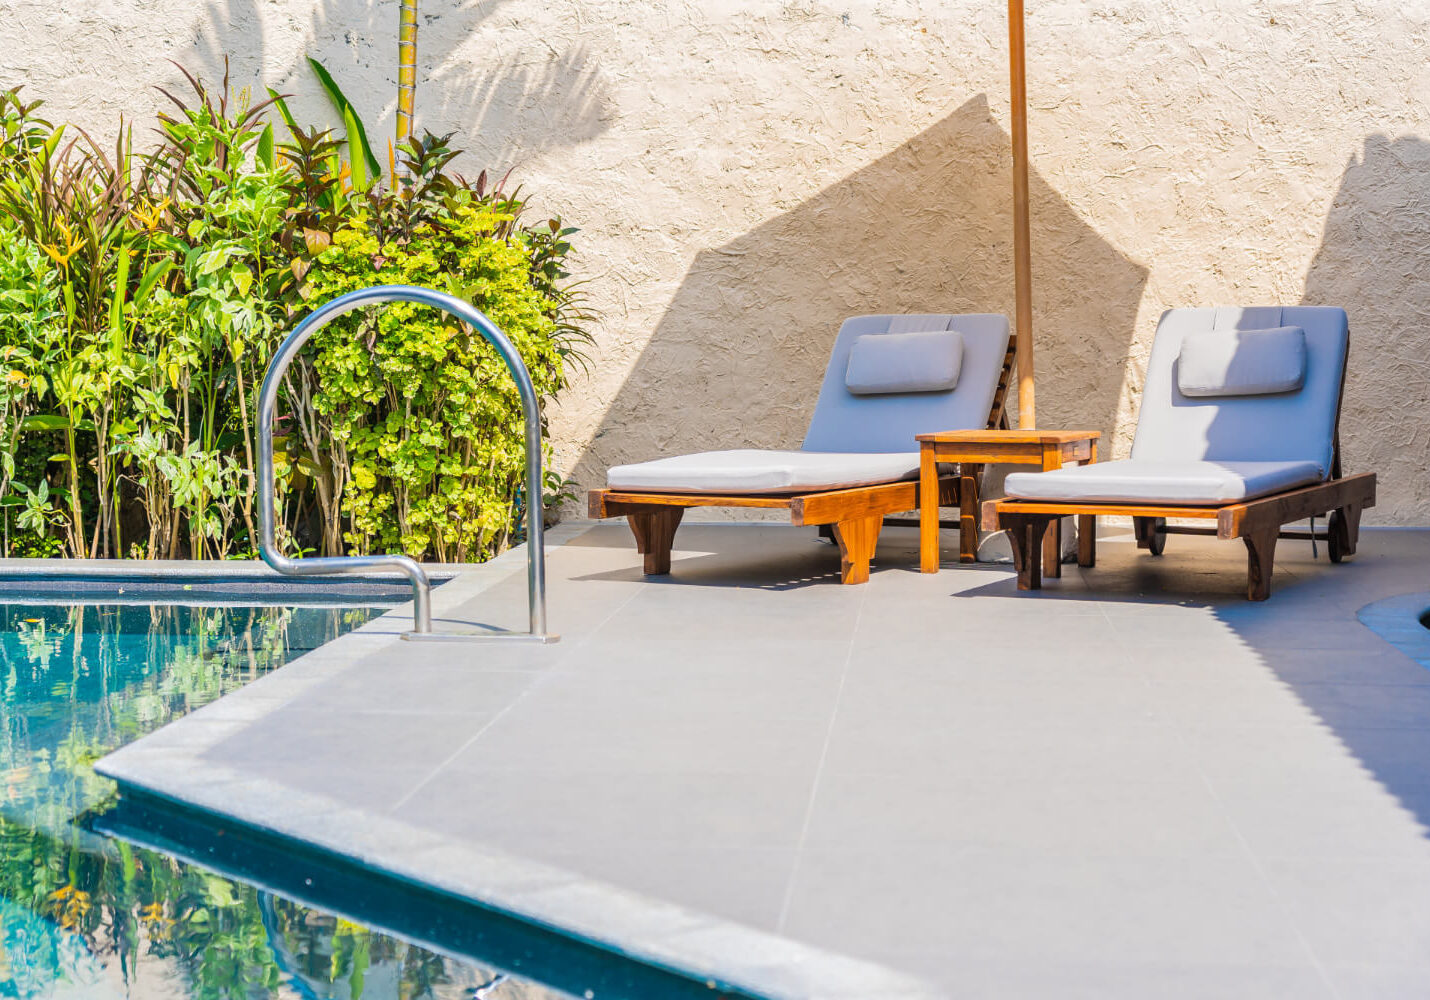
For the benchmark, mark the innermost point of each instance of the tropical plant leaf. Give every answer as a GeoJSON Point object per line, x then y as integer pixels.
{"type": "Point", "coordinates": [45, 422]}
{"type": "Point", "coordinates": [283, 110]}
{"type": "Point", "coordinates": [151, 277]}
{"type": "Point", "coordinates": [265, 153]}
{"type": "Point", "coordinates": [358, 145]}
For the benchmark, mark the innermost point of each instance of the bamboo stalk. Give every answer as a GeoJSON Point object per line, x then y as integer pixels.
{"type": "Point", "coordinates": [406, 68]}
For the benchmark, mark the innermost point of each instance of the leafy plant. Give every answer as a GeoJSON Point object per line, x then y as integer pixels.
{"type": "Point", "coordinates": [142, 295]}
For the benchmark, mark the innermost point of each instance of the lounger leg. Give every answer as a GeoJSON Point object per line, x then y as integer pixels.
{"type": "Point", "coordinates": [1260, 555]}
{"type": "Point", "coordinates": [857, 539]}
{"type": "Point", "coordinates": [1351, 513]}
{"type": "Point", "coordinates": [1025, 534]}
{"type": "Point", "coordinates": [655, 535]}
{"type": "Point", "coordinates": [1087, 540]}
{"type": "Point", "coordinates": [1053, 549]}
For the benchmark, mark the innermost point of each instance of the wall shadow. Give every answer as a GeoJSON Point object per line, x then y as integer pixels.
{"type": "Point", "coordinates": [1372, 261]}
{"type": "Point", "coordinates": [737, 358]}
{"type": "Point", "coordinates": [504, 111]}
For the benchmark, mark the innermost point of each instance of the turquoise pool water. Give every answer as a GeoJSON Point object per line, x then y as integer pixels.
{"type": "Point", "coordinates": [87, 917]}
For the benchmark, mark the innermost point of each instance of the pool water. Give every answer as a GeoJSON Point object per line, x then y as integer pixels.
{"type": "Point", "coordinates": [87, 917]}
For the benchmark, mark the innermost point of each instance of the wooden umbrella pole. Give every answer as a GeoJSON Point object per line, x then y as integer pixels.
{"type": "Point", "coordinates": [1022, 253]}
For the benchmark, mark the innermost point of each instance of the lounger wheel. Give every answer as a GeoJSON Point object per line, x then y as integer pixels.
{"type": "Point", "coordinates": [1151, 533]}
{"type": "Point", "coordinates": [1337, 536]}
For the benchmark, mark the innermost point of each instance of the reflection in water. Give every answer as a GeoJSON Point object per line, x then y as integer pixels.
{"type": "Point", "coordinates": [84, 916]}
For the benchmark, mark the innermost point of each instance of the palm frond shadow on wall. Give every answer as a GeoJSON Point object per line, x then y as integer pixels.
{"type": "Point", "coordinates": [504, 111]}
{"type": "Point", "coordinates": [737, 358]}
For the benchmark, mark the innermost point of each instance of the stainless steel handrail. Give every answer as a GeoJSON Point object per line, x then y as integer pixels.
{"type": "Point", "coordinates": [421, 585]}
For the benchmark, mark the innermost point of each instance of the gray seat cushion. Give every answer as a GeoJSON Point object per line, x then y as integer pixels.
{"type": "Point", "coordinates": [753, 471]}
{"type": "Point", "coordinates": [1147, 481]}
{"type": "Point", "coordinates": [883, 364]}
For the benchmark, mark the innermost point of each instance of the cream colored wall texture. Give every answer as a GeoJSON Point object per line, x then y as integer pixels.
{"type": "Point", "coordinates": [746, 173]}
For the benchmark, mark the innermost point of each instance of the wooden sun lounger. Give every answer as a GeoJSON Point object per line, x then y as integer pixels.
{"type": "Point", "coordinates": [856, 515]}
{"type": "Point", "coordinates": [1274, 426]}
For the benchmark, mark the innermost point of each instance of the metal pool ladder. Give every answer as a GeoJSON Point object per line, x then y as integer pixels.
{"type": "Point", "coordinates": [421, 585]}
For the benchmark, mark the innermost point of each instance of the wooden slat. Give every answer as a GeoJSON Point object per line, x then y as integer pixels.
{"type": "Point", "coordinates": [1266, 513]}
{"type": "Point", "coordinates": [1233, 520]}
{"type": "Point", "coordinates": [610, 503]}
{"type": "Point", "coordinates": [998, 413]}
{"type": "Point", "coordinates": [1008, 505]}
{"type": "Point", "coordinates": [863, 501]}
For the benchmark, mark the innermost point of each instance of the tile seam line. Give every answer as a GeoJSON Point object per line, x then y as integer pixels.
{"type": "Point", "coordinates": [544, 679]}
{"type": "Point", "coordinates": [788, 899]}
{"type": "Point", "coordinates": [1282, 906]}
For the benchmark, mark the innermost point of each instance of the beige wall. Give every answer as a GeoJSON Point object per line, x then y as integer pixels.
{"type": "Point", "coordinates": [747, 173]}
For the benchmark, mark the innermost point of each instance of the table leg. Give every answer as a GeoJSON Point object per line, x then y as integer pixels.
{"type": "Point", "coordinates": [969, 477]}
{"type": "Point", "coordinates": [928, 508]}
{"type": "Point", "coordinates": [1087, 525]}
{"type": "Point", "coordinates": [1053, 538]}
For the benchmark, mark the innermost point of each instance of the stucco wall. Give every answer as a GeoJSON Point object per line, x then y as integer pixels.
{"type": "Point", "coordinates": [748, 172]}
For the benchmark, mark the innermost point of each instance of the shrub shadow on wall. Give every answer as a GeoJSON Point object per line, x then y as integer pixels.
{"type": "Point", "coordinates": [737, 359]}
{"type": "Point", "coordinates": [1373, 262]}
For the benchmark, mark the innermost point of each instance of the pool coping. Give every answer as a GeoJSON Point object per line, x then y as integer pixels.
{"type": "Point", "coordinates": [169, 764]}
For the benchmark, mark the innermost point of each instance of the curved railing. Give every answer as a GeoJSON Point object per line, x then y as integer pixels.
{"type": "Point", "coordinates": [421, 585]}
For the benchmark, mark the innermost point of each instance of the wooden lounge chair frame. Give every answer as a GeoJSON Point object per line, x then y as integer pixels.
{"type": "Point", "coordinates": [856, 514]}
{"type": "Point", "coordinates": [1258, 522]}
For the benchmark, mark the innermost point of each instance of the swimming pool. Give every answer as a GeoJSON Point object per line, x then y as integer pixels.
{"type": "Point", "coordinates": [91, 917]}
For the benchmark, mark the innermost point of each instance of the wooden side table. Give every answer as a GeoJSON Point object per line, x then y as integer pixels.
{"type": "Point", "coordinates": [974, 449]}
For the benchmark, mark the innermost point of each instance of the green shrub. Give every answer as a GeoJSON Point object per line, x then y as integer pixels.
{"type": "Point", "coordinates": [422, 413]}
{"type": "Point", "coordinates": [142, 296]}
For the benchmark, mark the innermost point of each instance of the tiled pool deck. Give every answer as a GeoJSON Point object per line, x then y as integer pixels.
{"type": "Point", "coordinates": [1134, 784]}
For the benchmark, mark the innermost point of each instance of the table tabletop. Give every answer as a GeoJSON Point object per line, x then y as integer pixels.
{"type": "Point", "coordinates": [986, 436]}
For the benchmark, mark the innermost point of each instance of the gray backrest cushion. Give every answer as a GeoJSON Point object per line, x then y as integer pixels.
{"type": "Point", "coordinates": [1293, 426]}
{"type": "Point", "coordinates": [884, 363]}
{"type": "Point", "coordinates": [1242, 362]}
{"type": "Point", "coordinates": [844, 421]}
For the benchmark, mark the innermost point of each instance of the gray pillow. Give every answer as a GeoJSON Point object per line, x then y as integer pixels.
{"type": "Point", "coordinates": [885, 363]}
{"type": "Point", "coordinates": [1242, 362]}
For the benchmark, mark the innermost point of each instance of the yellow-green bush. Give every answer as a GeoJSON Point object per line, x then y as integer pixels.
{"type": "Point", "coordinates": [142, 295]}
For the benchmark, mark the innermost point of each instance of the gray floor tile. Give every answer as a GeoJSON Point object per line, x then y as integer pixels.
{"type": "Point", "coordinates": [1100, 817]}
{"type": "Point", "coordinates": [1115, 751]}
{"type": "Point", "coordinates": [1009, 905]}
{"type": "Point", "coordinates": [515, 810]}
{"type": "Point", "coordinates": [348, 743]}
{"type": "Point", "coordinates": [746, 885]}
{"type": "Point", "coordinates": [997, 700]}
{"type": "Point", "coordinates": [1380, 982]}
{"type": "Point", "coordinates": [1372, 912]}
{"type": "Point", "coordinates": [430, 689]}
{"type": "Point", "coordinates": [1132, 979]}
{"type": "Point", "coordinates": [538, 739]}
